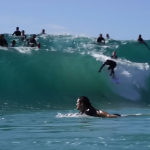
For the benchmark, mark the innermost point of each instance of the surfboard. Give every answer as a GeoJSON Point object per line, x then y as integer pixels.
{"type": "Point", "coordinates": [115, 80]}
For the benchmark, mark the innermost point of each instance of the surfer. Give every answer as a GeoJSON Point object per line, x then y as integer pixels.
{"type": "Point", "coordinates": [3, 41]}
{"type": "Point", "coordinates": [32, 41]}
{"type": "Point", "coordinates": [114, 56]}
{"type": "Point", "coordinates": [13, 43]}
{"type": "Point", "coordinates": [100, 39]}
{"type": "Point", "coordinates": [23, 35]}
{"type": "Point", "coordinates": [107, 36]}
{"type": "Point", "coordinates": [17, 32]}
{"type": "Point", "coordinates": [142, 41]}
{"type": "Point", "coordinates": [85, 107]}
{"type": "Point", "coordinates": [43, 31]}
{"type": "Point", "coordinates": [112, 64]}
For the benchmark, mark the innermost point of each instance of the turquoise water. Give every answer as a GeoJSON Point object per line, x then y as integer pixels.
{"type": "Point", "coordinates": [39, 88]}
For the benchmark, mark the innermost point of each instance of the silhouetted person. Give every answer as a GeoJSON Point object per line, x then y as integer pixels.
{"type": "Point", "coordinates": [142, 41]}
{"type": "Point", "coordinates": [13, 43]}
{"type": "Point", "coordinates": [32, 41]}
{"type": "Point", "coordinates": [100, 39]}
{"type": "Point", "coordinates": [114, 56]}
{"type": "Point", "coordinates": [23, 35]}
{"type": "Point", "coordinates": [3, 41]}
{"type": "Point", "coordinates": [17, 32]}
{"type": "Point", "coordinates": [107, 36]}
{"type": "Point", "coordinates": [112, 65]}
{"type": "Point", "coordinates": [43, 31]}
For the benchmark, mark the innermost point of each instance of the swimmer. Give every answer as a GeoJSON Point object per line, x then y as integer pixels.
{"type": "Point", "coordinates": [85, 107]}
{"type": "Point", "coordinates": [114, 56]}
{"type": "Point", "coordinates": [32, 41]}
{"type": "Point", "coordinates": [17, 32]}
{"type": "Point", "coordinates": [43, 31]}
{"type": "Point", "coordinates": [142, 41]}
{"type": "Point", "coordinates": [111, 64]}
{"type": "Point", "coordinates": [100, 39]}
{"type": "Point", "coordinates": [107, 36]}
{"type": "Point", "coordinates": [13, 43]}
{"type": "Point", "coordinates": [3, 41]}
{"type": "Point", "coordinates": [23, 35]}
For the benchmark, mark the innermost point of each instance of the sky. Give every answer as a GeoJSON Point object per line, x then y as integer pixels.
{"type": "Point", "coordinates": [121, 19]}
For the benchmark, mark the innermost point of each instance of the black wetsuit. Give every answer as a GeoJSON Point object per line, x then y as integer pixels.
{"type": "Point", "coordinates": [112, 64]}
{"type": "Point", "coordinates": [100, 39]}
{"type": "Point", "coordinates": [32, 42]}
{"type": "Point", "coordinates": [91, 111]}
{"type": "Point", "coordinates": [140, 40]}
{"type": "Point", "coordinates": [3, 42]}
{"type": "Point", "coordinates": [17, 33]}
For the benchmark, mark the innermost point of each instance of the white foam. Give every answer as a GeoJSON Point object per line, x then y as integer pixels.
{"type": "Point", "coordinates": [132, 76]}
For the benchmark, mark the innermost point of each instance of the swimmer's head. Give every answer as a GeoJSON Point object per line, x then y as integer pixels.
{"type": "Point", "coordinates": [43, 31]}
{"type": "Point", "coordinates": [17, 28]}
{"type": "Point", "coordinates": [100, 35]}
{"type": "Point", "coordinates": [107, 35]}
{"type": "Point", "coordinates": [83, 102]}
{"type": "Point", "coordinates": [139, 35]}
{"type": "Point", "coordinates": [23, 31]}
{"type": "Point", "coordinates": [13, 43]}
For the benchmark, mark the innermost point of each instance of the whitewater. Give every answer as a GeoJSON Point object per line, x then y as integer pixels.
{"type": "Point", "coordinates": [39, 89]}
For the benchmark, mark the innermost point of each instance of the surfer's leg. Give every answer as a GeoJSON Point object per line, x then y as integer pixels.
{"type": "Point", "coordinates": [112, 72]}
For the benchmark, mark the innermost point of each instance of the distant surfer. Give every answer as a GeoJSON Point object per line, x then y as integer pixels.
{"type": "Point", "coordinates": [43, 31]}
{"type": "Point", "coordinates": [107, 36]}
{"type": "Point", "coordinates": [3, 41]}
{"type": "Point", "coordinates": [114, 56]}
{"type": "Point", "coordinates": [32, 41]}
{"type": "Point", "coordinates": [17, 32]}
{"type": "Point", "coordinates": [142, 41]}
{"type": "Point", "coordinates": [100, 39]}
{"type": "Point", "coordinates": [13, 43]}
{"type": "Point", "coordinates": [85, 107]}
{"type": "Point", "coordinates": [23, 36]}
{"type": "Point", "coordinates": [112, 64]}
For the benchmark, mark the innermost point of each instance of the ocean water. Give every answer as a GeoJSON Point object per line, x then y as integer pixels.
{"type": "Point", "coordinates": [39, 89]}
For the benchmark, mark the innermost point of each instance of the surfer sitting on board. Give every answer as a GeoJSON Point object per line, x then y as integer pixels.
{"type": "Point", "coordinates": [112, 64]}
{"type": "Point", "coordinates": [100, 39]}
{"type": "Point", "coordinates": [142, 41]}
{"type": "Point", "coordinates": [85, 107]}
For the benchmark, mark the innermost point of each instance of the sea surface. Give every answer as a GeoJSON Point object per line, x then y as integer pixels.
{"type": "Point", "coordinates": [39, 89]}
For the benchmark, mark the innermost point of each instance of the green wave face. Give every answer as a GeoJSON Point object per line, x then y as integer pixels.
{"type": "Point", "coordinates": [66, 67]}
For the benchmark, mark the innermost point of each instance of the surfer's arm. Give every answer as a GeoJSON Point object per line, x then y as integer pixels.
{"type": "Point", "coordinates": [104, 114]}
{"type": "Point", "coordinates": [104, 40]}
{"type": "Point", "coordinates": [101, 67]}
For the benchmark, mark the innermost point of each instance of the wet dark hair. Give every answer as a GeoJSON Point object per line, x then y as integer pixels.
{"type": "Point", "coordinates": [85, 101]}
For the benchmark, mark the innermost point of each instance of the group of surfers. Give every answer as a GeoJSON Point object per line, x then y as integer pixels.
{"type": "Point", "coordinates": [31, 41]}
